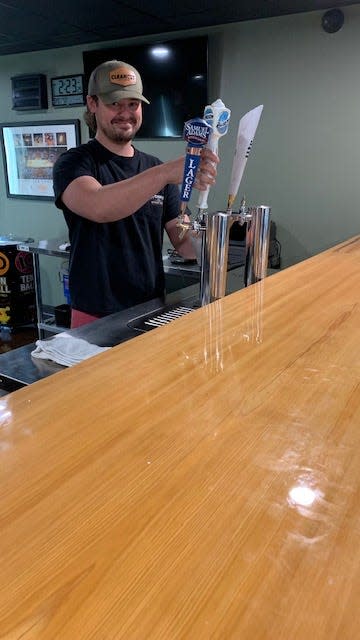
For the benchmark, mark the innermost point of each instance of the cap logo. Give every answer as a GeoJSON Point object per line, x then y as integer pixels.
{"type": "Point", "coordinates": [122, 76]}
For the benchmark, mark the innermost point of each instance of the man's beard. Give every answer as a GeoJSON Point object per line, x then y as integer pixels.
{"type": "Point", "coordinates": [121, 136]}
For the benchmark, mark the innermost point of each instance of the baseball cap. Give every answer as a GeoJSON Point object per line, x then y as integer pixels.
{"type": "Point", "coordinates": [114, 80]}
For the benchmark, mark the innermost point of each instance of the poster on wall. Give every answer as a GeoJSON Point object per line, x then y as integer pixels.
{"type": "Point", "coordinates": [30, 150]}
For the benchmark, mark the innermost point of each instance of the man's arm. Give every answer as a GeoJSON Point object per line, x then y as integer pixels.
{"type": "Point", "coordinates": [88, 198]}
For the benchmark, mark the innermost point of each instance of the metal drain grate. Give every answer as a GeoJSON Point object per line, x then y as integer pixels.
{"type": "Point", "coordinates": [156, 319]}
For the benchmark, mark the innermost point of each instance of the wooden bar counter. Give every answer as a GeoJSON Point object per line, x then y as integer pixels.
{"type": "Point", "coordinates": [200, 481]}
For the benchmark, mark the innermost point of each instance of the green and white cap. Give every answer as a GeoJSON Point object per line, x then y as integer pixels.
{"type": "Point", "coordinates": [113, 80]}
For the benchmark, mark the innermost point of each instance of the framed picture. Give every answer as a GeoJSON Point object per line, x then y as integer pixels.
{"type": "Point", "coordinates": [30, 150]}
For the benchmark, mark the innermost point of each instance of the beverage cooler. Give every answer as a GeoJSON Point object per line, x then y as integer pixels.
{"type": "Point", "coordinates": [17, 288]}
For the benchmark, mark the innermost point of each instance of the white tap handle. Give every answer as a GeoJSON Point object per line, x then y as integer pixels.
{"type": "Point", "coordinates": [218, 117]}
{"type": "Point", "coordinates": [245, 137]}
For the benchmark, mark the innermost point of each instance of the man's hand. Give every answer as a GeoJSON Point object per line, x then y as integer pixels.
{"type": "Point", "coordinates": [206, 173]}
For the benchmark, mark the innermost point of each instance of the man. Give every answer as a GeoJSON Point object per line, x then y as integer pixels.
{"type": "Point", "coordinates": [117, 201]}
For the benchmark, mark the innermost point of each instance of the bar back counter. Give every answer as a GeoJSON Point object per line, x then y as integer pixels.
{"type": "Point", "coordinates": [199, 481]}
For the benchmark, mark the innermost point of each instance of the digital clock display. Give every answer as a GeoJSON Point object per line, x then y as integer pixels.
{"type": "Point", "coordinates": [67, 91]}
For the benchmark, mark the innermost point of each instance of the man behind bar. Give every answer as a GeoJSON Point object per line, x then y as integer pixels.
{"type": "Point", "coordinates": [117, 201]}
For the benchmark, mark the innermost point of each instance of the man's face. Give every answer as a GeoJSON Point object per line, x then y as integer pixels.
{"type": "Point", "coordinates": [119, 121]}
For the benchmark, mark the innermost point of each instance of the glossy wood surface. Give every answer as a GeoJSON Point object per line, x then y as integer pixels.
{"type": "Point", "coordinates": [200, 481]}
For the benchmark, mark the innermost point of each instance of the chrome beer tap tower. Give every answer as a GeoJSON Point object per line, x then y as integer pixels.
{"type": "Point", "coordinates": [212, 230]}
{"type": "Point", "coordinates": [215, 232]}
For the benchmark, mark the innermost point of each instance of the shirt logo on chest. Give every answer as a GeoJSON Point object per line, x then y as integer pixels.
{"type": "Point", "coordinates": [158, 200]}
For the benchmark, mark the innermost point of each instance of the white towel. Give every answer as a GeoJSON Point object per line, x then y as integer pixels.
{"type": "Point", "coordinates": [66, 350]}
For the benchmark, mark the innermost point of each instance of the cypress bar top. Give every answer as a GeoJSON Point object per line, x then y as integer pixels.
{"type": "Point", "coordinates": [199, 481]}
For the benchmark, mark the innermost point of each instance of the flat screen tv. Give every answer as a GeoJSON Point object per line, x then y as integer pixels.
{"type": "Point", "coordinates": [174, 75]}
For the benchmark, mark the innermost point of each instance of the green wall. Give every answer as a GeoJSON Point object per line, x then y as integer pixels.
{"type": "Point", "coordinates": [305, 158]}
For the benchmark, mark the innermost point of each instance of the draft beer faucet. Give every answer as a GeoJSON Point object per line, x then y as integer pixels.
{"type": "Point", "coordinates": [215, 234]}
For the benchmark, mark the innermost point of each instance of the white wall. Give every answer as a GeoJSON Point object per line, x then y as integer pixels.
{"type": "Point", "coordinates": [305, 158]}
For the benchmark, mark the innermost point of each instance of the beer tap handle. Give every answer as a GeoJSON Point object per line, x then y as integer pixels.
{"type": "Point", "coordinates": [218, 117]}
{"type": "Point", "coordinates": [196, 133]}
{"type": "Point", "coordinates": [245, 137]}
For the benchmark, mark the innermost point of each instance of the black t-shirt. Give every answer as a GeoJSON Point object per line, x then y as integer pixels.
{"type": "Point", "coordinates": [114, 265]}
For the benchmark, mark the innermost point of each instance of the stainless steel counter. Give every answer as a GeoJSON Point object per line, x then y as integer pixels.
{"type": "Point", "coordinates": [52, 248]}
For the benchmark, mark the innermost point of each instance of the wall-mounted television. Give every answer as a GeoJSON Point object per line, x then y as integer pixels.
{"type": "Point", "coordinates": [174, 75]}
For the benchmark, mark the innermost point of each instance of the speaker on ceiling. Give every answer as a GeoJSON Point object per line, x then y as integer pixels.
{"type": "Point", "coordinates": [332, 20]}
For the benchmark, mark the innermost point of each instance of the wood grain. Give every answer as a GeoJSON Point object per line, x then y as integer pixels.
{"type": "Point", "coordinates": [200, 481]}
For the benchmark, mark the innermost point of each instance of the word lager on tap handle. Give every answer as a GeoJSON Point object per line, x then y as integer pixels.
{"type": "Point", "coordinates": [196, 133]}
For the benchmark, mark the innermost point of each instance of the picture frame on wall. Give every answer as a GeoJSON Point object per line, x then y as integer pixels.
{"type": "Point", "coordinates": [30, 150]}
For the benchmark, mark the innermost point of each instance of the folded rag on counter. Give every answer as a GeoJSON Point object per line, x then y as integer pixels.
{"type": "Point", "coordinates": [66, 350]}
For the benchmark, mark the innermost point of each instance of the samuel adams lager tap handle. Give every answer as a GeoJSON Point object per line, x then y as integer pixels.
{"type": "Point", "coordinates": [196, 134]}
